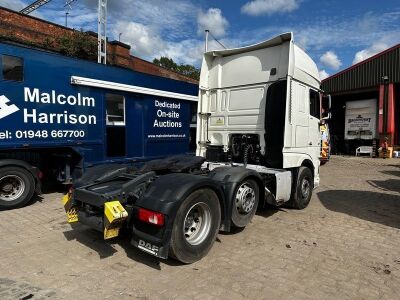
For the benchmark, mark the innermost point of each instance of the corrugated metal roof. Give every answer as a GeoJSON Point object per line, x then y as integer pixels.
{"type": "Point", "coordinates": [366, 74]}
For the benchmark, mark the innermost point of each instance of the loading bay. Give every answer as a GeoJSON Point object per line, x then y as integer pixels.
{"type": "Point", "coordinates": [344, 245]}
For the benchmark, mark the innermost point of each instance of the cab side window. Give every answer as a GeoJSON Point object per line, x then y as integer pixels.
{"type": "Point", "coordinates": [12, 68]}
{"type": "Point", "coordinates": [314, 104]}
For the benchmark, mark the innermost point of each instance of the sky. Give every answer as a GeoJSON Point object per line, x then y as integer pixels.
{"type": "Point", "coordinates": [336, 34]}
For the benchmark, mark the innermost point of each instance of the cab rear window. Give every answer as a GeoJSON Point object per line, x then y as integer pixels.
{"type": "Point", "coordinates": [12, 68]}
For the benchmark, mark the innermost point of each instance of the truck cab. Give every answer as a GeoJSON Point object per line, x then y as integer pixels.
{"type": "Point", "coordinates": [260, 105]}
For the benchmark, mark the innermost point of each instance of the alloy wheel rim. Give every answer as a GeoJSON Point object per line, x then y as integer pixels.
{"type": "Point", "coordinates": [11, 187]}
{"type": "Point", "coordinates": [197, 223]}
{"type": "Point", "coordinates": [245, 198]}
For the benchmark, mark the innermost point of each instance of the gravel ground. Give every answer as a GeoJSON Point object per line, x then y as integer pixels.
{"type": "Point", "coordinates": [344, 245]}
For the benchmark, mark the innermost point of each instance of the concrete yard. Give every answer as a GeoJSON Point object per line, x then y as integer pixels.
{"type": "Point", "coordinates": [346, 244]}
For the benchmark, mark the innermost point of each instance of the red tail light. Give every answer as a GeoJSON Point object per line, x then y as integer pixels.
{"type": "Point", "coordinates": [151, 217]}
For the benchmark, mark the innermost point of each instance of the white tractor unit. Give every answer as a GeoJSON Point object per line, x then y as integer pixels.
{"type": "Point", "coordinates": [258, 142]}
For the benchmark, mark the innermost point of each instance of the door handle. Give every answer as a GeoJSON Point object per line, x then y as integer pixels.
{"type": "Point", "coordinates": [310, 143]}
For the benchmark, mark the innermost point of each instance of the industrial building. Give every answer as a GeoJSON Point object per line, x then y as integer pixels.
{"type": "Point", "coordinates": [375, 80]}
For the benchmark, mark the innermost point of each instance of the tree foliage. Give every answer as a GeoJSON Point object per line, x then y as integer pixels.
{"type": "Point", "coordinates": [78, 44]}
{"type": "Point", "coordinates": [186, 70]}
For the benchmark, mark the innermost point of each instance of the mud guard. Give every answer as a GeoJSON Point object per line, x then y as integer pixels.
{"type": "Point", "coordinates": [165, 195]}
{"type": "Point", "coordinates": [228, 178]}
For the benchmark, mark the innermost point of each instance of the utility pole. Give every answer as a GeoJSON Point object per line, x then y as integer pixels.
{"type": "Point", "coordinates": [66, 18]}
{"type": "Point", "coordinates": [68, 7]}
{"type": "Point", "coordinates": [102, 32]}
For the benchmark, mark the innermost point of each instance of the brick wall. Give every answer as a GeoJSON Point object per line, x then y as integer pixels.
{"type": "Point", "coordinates": [40, 33]}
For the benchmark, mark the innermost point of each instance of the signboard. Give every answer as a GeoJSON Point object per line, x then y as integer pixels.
{"type": "Point", "coordinates": [360, 119]}
{"type": "Point", "coordinates": [45, 115]}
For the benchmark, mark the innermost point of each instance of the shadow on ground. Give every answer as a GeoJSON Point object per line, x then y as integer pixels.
{"type": "Point", "coordinates": [93, 240]}
{"type": "Point", "coordinates": [391, 173]}
{"type": "Point", "coordinates": [370, 206]}
{"type": "Point", "coordinates": [47, 189]}
{"type": "Point", "coordinates": [388, 185]}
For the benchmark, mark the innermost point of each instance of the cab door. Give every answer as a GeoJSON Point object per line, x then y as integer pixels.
{"type": "Point", "coordinates": [301, 114]}
{"type": "Point", "coordinates": [314, 133]}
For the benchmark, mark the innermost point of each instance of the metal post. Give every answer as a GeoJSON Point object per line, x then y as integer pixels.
{"type": "Point", "coordinates": [102, 32]}
{"type": "Point", "coordinates": [385, 80]}
{"type": "Point", "coordinates": [206, 43]}
{"type": "Point", "coordinates": [68, 7]}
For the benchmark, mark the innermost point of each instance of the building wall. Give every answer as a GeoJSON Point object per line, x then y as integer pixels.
{"type": "Point", "coordinates": [379, 73]}
{"type": "Point", "coordinates": [39, 33]}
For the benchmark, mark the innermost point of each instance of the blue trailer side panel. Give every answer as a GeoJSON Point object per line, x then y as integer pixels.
{"type": "Point", "coordinates": [45, 110]}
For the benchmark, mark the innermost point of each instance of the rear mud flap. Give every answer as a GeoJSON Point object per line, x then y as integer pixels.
{"type": "Point", "coordinates": [150, 247]}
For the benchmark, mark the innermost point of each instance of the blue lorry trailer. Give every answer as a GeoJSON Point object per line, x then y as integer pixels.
{"type": "Point", "coordinates": [59, 115]}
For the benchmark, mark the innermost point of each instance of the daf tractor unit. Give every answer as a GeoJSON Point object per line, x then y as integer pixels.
{"type": "Point", "coordinates": [258, 142]}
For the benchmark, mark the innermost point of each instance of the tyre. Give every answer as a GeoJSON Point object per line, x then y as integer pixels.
{"type": "Point", "coordinates": [17, 186]}
{"type": "Point", "coordinates": [245, 202]}
{"type": "Point", "coordinates": [196, 226]}
{"type": "Point", "coordinates": [302, 191]}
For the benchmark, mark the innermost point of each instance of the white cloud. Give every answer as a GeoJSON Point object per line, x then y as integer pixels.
{"type": "Point", "coordinates": [147, 43]}
{"type": "Point", "coordinates": [172, 19]}
{"type": "Point", "coordinates": [213, 20]}
{"type": "Point", "coordinates": [329, 59]}
{"type": "Point", "coordinates": [188, 51]}
{"type": "Point", "coordinates": [269, 7]}
{"type": "Point", "coordinates": [323, 74]}
{"type": "Point", "coordinates": [368, 52]}
{"type": "Point", "coordinates": [143, 40]}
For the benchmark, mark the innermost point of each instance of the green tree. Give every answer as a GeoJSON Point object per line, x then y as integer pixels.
{"type": "Point", "coordinates": [78, 44]}
{"type": "Point", "coordinates": [186, 70]}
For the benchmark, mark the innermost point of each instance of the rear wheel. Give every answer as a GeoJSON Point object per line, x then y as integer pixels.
{"type": "Point", "coordinates": [303, 190]}
{"type": "Point", "coordinates": [17, 186]}
{"type": "Point", "coordinates": [245, 202]}
{"type": "Point", "coordinates": [196, 226]}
